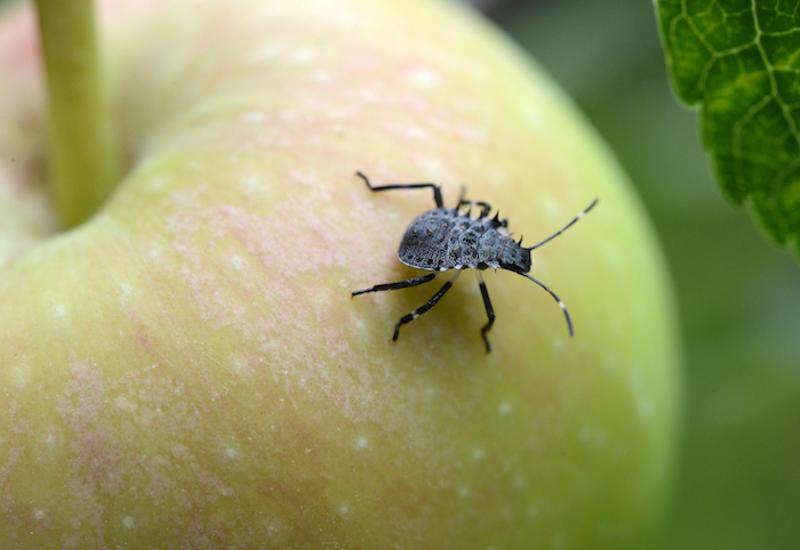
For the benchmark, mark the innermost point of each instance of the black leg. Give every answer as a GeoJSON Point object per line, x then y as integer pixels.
{"type": "Point", "coordinates": [437, 190]}
{"type": "Point", "coordinates": [414, 281]}
{"type": "Point", "coordinates": [426, 306]}
{"type": "Point", "coordinates": [556, 298]}
{"type": "Point", "coordinates": [485, 206]}
{"type": "Point", "coordinates": [489, 312]}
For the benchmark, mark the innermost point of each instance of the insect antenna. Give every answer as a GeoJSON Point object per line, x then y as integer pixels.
{"type": "Point", "coordinates": [556, 298]}
{"type": "Point", "coordinates": [570, 224]}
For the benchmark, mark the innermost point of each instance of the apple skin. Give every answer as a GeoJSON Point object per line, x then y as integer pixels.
{"type": "Point", "coordinates": [187, 369]}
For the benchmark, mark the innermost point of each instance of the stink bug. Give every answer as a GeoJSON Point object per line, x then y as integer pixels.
{"type": "Point", "coordinates": [445, 239]}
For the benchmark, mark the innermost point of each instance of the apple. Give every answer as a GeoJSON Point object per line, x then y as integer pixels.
{"type": "Point", "coordinates": [187, 367]}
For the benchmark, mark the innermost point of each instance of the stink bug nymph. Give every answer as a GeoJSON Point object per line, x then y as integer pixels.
{"type": "Point", "coordinates": [449, 239]}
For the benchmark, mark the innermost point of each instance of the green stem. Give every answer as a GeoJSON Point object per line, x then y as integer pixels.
{"type": "Point", "coordinates": [83, 146]}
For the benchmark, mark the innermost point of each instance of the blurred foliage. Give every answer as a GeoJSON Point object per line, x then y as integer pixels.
{"type": "Point", "coordinates": [738, 63]}
{"type": "Point", "coordinates": [738, 484]}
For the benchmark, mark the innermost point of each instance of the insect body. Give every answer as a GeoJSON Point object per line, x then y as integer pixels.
{"type": "Point", "coordinates": [445, 239]}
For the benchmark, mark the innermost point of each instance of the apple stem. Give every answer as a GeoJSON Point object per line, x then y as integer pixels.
{"type": "Point", "coordinates": [84, 161]}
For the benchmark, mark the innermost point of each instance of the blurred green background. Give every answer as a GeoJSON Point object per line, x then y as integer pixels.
{"type": "Point", "coordinates": [738, 484]}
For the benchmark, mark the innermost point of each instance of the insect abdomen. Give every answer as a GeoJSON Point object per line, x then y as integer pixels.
{"type": "Point", "coordinates": [441, 240]}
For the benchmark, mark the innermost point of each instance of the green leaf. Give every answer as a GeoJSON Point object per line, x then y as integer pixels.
{"type": "Point", "coordinates": [739, 62]}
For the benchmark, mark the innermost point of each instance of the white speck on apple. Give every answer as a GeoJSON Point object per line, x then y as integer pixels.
{"type": "Point", "coordinates": [407, 131]}
{"type": "Point", "coordinates": [128, 522]}
{"type": "Point", "coordinates": [552, 208]}
{"type": "Point", "coordinates": [432, 165]}
{"type": "Point", "coordinates": [124, 404]}
{"type": "Point", "coordinates": [533, 116]}
{"type": "Point", "coordinates": [231, 453]}
{"type": "Point", "coordinates": [344, 510]}
{"type": "Point", "coordinates": [179, 450]}
{"type": "Point", "coordinates": [238, 263]}
{"type": "Point", "coordinates": [345, 20]}
{"type": "Point", "coordinates": [423, 77]}
{"type": "Point", "coordinates": [463, 491]}
{"type": "Point", "coordinates": [240, 367]}
{"type": "Point", "coordinates": [269, 51]}
{"type": "Point", "coordinates": [274, 529]}
{"type": "Point", "coordinates": [645, 408]}
{"type": "Point", "coordinates": [360, 443]}
{"type": "Point", "coordinates": [558, 345]}
{"type": "Point", "coordinates": [125, 288]}
{"type": "Point", "coordinates": [471, 134]}
{"type": "Point", "coordinates": [254, 117]}
{"type": "Point", "coordinates": [154, 253]}
{"type": "Point", "coordinates": [342, 113]}
{"type": "Point", "coordinates": [611, 255]}
{"type": "Point", "coordinates": [21, 374]}
{"type": "Point", "coordinates": [250, 184]}
{"type": "Point", "coordinates": [643, 402]}
{"type": "Point", "coordinates": [39, 515]}
{"type": "Point", "coordinates": [59, 311]}
{"type": "Point", "coordinates": [321, 77]}
{"type": "Point", "coordinates": [519, 482]}
{"type": "Point", "coordinates": [157, 183]}
{"type": "Point", "coordinates": [592, 437]}
{"type": "Point", "coordinates": [308, 178]}
{"type": "Point", "coordinates": [478, 454]}
{"type": "Point", "coordinates": [302, 55]}
{"type": "Point", "coordinates": [610, 365]}
{"type": "Point", "coordinates": [504, 409]}
{"type": "Point", "coordinates": [368, 95]}
{"type": "Point", "coordinates": [50, 440]}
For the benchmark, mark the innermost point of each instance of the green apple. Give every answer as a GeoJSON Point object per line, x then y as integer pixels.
{"type": "Point", "coordinates": [188, 369]}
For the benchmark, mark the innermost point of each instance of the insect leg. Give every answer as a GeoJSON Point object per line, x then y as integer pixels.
{"type": "Point", "coordinates": [489, 312]}
{"type": "Point", "coordinates": [414, 281]}
{"type": "Point", "coordinates": [426, 306]}
{"type": "Point", "coordinates": [557, 299]}
{"type": "Point", "coordinates": [485, 206]}
{"type": "Point", "coordinates": [437, 189]}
